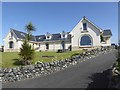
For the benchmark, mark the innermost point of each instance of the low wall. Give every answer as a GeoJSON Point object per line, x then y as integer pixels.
{"type": "Point", "coordinates": [39, 69]}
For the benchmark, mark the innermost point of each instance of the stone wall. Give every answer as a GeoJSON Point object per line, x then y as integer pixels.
{"type": "Point", "coordinates": [39, 69]}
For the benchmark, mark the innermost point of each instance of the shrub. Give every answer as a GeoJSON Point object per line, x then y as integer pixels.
{"type": "Point", "coordinates": [101, 38]}
{"type": "Point", "coordinates": [26, 53]}
{"type": "Point", "coordinates": [59, 51]}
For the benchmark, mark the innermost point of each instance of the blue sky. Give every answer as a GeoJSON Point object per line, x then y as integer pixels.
{"type": "Point", "coordinates": [56, 17]}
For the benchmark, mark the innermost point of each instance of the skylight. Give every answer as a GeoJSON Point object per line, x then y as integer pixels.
{"type": "Point", "coordinates": [22, 34]}
{"type": "Point", "coordinates": [39, 38]}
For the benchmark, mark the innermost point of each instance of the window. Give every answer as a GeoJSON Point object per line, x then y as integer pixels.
{"type": "Point", "coordinates": [11, 44]}
{"type": "Point", "coordinates": [22, 34]}
{"type": "Point", "coordinates": [11, 36]}
{"type": "Point", "coordinates": [85, 40]}
{"type": "Point", "coordinates": [47, 46]}
{"type": "Point", "coordinates": [84, 26]}
{"type": "Point", "coordinates": [63, 35]}
{"type": "Point", "coordinates": [48, 37]}
{"type": "Point", "coordinates": [33, 45]}
{"type": "Point", "coordinates": [39, 38]}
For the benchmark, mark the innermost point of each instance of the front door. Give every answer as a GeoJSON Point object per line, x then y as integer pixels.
{"type": "Point", "coordinates": [47, 46]}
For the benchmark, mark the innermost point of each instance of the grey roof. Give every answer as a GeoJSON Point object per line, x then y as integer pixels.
{"type": "Point", "coordinates": [41, 38]}
{"type": "Point", "coordinates": [107, 32]}
{"type": "Point", "coordinates": [22, 35]}
{"type": "Point", "coordinates": [55, 37]}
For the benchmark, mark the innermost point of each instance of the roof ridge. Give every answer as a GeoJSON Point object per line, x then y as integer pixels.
{"type": "Point", "coordinates": [34, 35]}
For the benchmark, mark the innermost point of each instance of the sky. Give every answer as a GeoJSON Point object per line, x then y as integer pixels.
{"type": "Point", "coordinates": [54, 17]}
{"type": "Point", "coordinates": [59, 0]}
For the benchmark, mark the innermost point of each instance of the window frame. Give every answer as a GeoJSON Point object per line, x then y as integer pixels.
{"type": "Point", "coordinates": [84, 26]}
{"type": "Point", "coordinates": [11, 44]}
{"type": "Point", "coordinates": [48, 37]}
{"type": "Point", "coordinates": [83, 44]}
{"type": "Point", "coordinates": [63, 35]}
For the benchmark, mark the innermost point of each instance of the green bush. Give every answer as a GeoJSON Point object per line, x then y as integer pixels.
{"type": "Point", "coordinates": [26, 53]}
{"type": "Point", "coordinates": [102, 39]}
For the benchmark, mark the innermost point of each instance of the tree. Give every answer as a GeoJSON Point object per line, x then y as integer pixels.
{"type": "Point", "coordinates": [29, 28]}
{"type": "Point", "coordinates": [26, 53]}
{"type": "Point", "coordinates": [102, 39]}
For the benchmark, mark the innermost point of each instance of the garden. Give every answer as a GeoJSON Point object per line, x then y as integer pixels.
{"type": "Point", "coordinates": [11, 59]}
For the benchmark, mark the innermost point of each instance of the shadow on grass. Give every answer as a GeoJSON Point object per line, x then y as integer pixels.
{"type": "Point", "coordinates": [17, 62]}
{"type": "Point", "coordinates": [99, 80]}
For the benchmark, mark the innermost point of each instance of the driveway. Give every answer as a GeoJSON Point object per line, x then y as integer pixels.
{"type": "Point", "coordinates": [92, 73]}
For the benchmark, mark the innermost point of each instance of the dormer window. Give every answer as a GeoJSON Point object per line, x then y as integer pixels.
{"type": "Point", "coordinates": [48, 36]}
{"type": "Point", "coordinates": [63, 34]}
{"type": "Point", "coordinates": [84, 26]}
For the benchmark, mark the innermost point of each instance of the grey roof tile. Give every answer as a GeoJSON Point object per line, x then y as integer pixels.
{"type": "Point", "coordinates": [22, 35]}
{"type": "Point", "coordinates": [41, 38]}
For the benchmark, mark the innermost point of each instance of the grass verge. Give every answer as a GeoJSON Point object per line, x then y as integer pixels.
{"type": "Point", "coordinates": [10, 59]}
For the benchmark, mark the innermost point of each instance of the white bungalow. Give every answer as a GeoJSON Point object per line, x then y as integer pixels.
{"type": "Point", "coordinates": [84, 35]}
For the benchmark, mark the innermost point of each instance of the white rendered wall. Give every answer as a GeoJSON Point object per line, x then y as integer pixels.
{"type": "Point", "coordinates": [6, 43]}
{"type": "Point", "coordinates": [77, 33]}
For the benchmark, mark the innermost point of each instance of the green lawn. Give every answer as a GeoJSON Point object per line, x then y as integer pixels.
{"type": "Point", "coordinates": [9, 59]}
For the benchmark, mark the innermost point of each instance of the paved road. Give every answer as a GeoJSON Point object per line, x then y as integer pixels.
{"type": "Point", "coordinates": [87, 74]}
